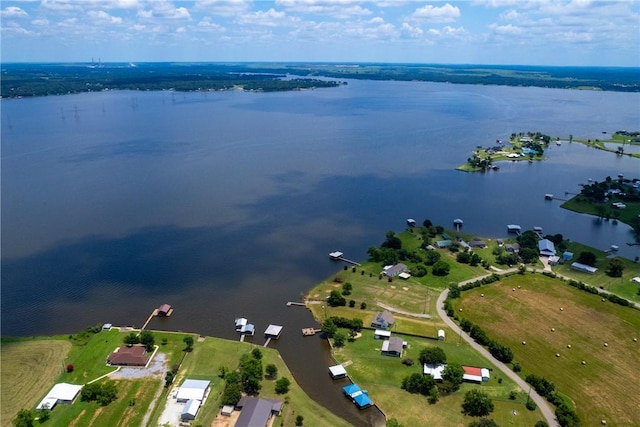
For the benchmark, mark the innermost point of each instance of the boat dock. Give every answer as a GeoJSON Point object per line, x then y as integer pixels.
{"type": "Point", "coordinates": [266, 344]}
{"type": "Point", "coordinates": [290, 303]}
{"type": "Point", "coordinates": [339, 256]}
{"type": "Point", "coordinates": [307, 332]}
{"type": "Point", "coordinates": [153, 314]}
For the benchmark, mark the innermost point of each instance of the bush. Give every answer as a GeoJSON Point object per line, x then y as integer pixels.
{"type": "Point", "coordinates": [440, 268]}
{"type": "Point", "coordinates": [352, 303]}
{"type": "Point", "coordinates": [282, 385]}
{"type": "Point", "coordinates": [531, 405]}
{"type": "Point", "coordinates": [69, 368]}
{"type": "Point", "coordinates": [363, 305]}
{"type": "Point", "coordinates": [299, 420]}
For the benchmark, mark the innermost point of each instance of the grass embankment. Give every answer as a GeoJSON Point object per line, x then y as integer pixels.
{"type": "Point", "coordinates": [626, 215]}
{"type": "Point", "coordinates": [29, 367]}
{"type": "Point", "coordinates": [621, 140]}
{"type": "Point", "coordinates": [606, 386]}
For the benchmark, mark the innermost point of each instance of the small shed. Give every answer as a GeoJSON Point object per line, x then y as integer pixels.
{"type": "Point", "coordinates": [567, 255]}
{"type": "Point", "coordinates": [227, 410]}
{"type": "Point", "coordinates": [107, 327]}
{"type": "Point", "coordinates": [554, 260]}
{"type": "Point", "coordinates": [404, 275]}
{"type": "Point", "coordinates": [381, 334]}
{"type": "Point", "coordinates": [273, 331]}
{"type": "Point", "coordinates": [441, 334]}
{"type": "Point", "coordinates": [337, 372]}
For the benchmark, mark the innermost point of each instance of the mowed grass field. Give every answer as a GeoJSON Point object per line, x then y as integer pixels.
{"type": "Point", "coordinates": [382, 377]}
{"type": "Point", "coordinates": [607, 387]}
{"type": "Point", "coordinates": [29, 368]}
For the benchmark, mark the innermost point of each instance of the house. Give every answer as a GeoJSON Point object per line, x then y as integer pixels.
{"type": "Point", "coordinates": [273, 331]}
{"type": "Point", "coordinates": [59, 393]}
{"type": "Point", "coordinates": [337, 372]}
{"type": "Point", "coordinates": [475, 375]}
{"type": "Point", "coordinates": [440, 334]}
{"type": "Point", "coordinates": [164, 310]}
{"type": "Point", "coordinates": [134, 355]}
{"type": "Point", "coordinates": [512, 247]}
{"type": "Point", "coordinates": [546, 247]}
{"type": "Point", "coordinates": [190, 410]}
{"type": "Point", "coordinates": [393, 347]}
{"type": "Point", "coordinates": [381, 334]}
{"type": "Point", "coordinates": [193, 390]}
{"type": "Point", "coordinates": [394, 270]}
{"type": "Point", "coordinates": [256, 412]}
{"type": "Point", "coordinates": [477, 243]}
{"type": "Point", "coordinates": [383, 320]}
{"type": "Point", "coordinates": [443, 243]}
{"type": "Point", "coordinates": [583, 268]}
{"type": "Point", "coordinates": [359, 397]}
{"type": "Point", "coordinates": [445, 236]}
{"type": "Point", "coordinates": [434, 370]}
{"type": "Point", "coordinates": [107, 327]}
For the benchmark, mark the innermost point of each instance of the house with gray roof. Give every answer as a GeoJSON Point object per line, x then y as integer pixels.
{"type": "Point", "coordinates": [255, 411]}
{"type": "Point", "coordinates": [393, 347]}
{"type": "Point", "coordinates": [383, 320]}
{"type": "Point", "coordinates": [394, 270]}
{"type": "Point", "coordinates": [546, 247]}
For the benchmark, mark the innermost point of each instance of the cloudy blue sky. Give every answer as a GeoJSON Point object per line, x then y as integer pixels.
{"type": "Point", "coordinates": [535, 32]}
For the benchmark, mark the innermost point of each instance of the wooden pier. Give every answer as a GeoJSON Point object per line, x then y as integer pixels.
{"type": "Point", "coordinates": [290, 303]}
{"type": "Point", "coordinates": [267, 343]}
{"type": "Point", "coordinates": [348, 261]}
{"type": "Point", "coordinates": [307, 332]}
{"type": "Point", "coordinates": [153, 314]}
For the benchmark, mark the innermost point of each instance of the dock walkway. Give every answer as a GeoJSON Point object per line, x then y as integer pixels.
{"type": "Point", "coordinates": [153, 314]}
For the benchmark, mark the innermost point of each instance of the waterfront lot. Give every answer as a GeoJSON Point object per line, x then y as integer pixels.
{"type": "Point", "coordinates": [585, 323]}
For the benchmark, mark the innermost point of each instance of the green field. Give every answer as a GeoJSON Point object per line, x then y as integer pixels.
{"type": "Point", "coordinates": [606, 386]}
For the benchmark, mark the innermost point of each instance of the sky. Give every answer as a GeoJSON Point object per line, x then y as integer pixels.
{"type": "Point", "coordinates": [509, 32]}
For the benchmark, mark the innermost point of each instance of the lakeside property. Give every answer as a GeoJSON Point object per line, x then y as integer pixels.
{"type": "Point", "coordinates": [530, 146]}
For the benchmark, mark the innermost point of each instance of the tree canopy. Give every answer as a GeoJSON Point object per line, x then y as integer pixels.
{"type": "Point", "coordinates": [432, 356]}
{"type": "Point", "coordinates": [477, 404]}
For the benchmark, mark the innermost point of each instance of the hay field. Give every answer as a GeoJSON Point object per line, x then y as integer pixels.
{"type": "Point", "coordinates": [526, 308]}
{"type": "Point", "coordinates": [29, 368]}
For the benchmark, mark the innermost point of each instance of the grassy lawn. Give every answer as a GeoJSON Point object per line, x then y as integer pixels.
{"type": "Point", "coordinates": [626, 215]}
{"type": "Point", "coordinates": [29, 368]}
{"type": "Point", "coordinates": [621, 286]}
{"type": "Point", "coordinates": [382, 376]}
{"type": "Point", "coordinates": [585, 323]}
{"type": "Point", "coordinates": [212, 353]}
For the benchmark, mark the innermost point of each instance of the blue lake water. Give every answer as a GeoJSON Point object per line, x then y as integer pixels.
{"type": "Point", "coordinates": [227, 204]}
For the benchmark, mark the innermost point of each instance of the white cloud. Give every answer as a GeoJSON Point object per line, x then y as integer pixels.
{"type": "Point", "coordinates": [341, 9]}
{"type": "Point", "coordinates": [507, 29]}
{"type": "Point", "coordinates": [102, 17]}
{"type": "Point", "coordinates": [13, 12]}
{"type": "Point", "coordinates": [14, 28]}
{"type": "Point", "coordinates": [223, 7]}
{"type": "Point", "coordinates": [411, 31]}
{"type": "Point", "coordinates": [447, 32]}
{"type": "Point", "coordinates": [205, 25]}
{"type": "Point", "coordinates": [443, 14]}
{"type": "Point", "coordinates": [164, 10]}
{"type": "Point", "coordinates": [270, 18]}
{"type": "Point", "coordinates": [40, 22]}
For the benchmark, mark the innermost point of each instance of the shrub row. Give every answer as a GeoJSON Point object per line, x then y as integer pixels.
{"type": "Point", "coordinates": [566, 416]}
{"type": "Point", "coordinates": [497, 350]}
{"type": "Point", "coordinates": [593, 290]}
{"type": "Point", "coordinates": [343, 322]}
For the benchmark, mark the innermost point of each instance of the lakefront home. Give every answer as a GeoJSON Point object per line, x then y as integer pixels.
{"type": "Point", "coordinates": [383, 320]}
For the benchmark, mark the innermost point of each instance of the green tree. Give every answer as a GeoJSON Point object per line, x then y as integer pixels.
{"type": "Point", "coordinates": [282, 385]}
{"type": "Point", "coordinates": [615, 268]}
{"type": "Point", "coordinates": [250, 374]}
{"type": "Point", "coordinates": [541, 424]}
{"type": "Point", "coordinates": [453, 373]}
{"type": "Point", "coordinates": [339, 339]}
{"type": "Point", "coordinates": [347, 288]}
{"type": "Point", "coordinates": [588, 258]}
{"type": "Point", "coordinates": [168, 378]}
{"type": "Point", "coordinates": [23, 419]}
{"type": "Point", "coordinates": [483, 422]}
{"type": "Point", "coordinates": [335, 299]}
{"type": "Point", "coordinates": [131, 339]}
{"type": "Point", "coordinates": [299, 420]}
{"type": "Point", "coordinates": [147, 339]}
{"type": "Point", "coordinates": [431, 257]}
{"type": "Point", "coordinates": [440, 268]}
{"type": "Point", "coordinates": [232, 389]}
{"type": "Point", "coordinates": [477, 404]}
{"type": "Point", "coordinates": [256, 353]}
{"type": "Point", "coordinates": [432, 356]}
{"type": "Point", "coordinates": [271, 371]}
{"type": "Point", "coordinates": [329, 328]}
{"type": "Point", "coordinates": [188, 341]}
{"type": "Point", "coordinates": [43, 414]}
{"type": "Point", "coordinates": [528, 239]}
{"type": "Point", "coordinates": [392, 242]}
{"type": "Point", "coordinates": [418, 383]}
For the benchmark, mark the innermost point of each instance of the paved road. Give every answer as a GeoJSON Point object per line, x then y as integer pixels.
{"type": "Point", "coordinates": [544, 406]}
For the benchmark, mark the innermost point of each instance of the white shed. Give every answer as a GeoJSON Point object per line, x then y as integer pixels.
{"type": "Point", "coordinates": [441, 334]}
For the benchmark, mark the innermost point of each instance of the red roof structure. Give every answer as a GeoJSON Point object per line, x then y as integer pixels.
{"type": "Point", "coordinates": [164, 309]}
{"type": "Point", "coordinates": [135, 355]}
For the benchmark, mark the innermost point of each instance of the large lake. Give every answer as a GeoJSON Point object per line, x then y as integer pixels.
{"type": "Point", "coordinates": [227, 204]}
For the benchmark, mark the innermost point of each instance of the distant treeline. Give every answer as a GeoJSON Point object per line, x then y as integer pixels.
{"type": "Point", "coordinates": [56, 79]}
{"type": "Point", "coordinates": [26, 80]}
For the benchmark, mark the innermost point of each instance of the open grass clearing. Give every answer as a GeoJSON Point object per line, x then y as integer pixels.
{"type": "Point", "coordinates": [382, 376]}
{"type": "Point", "coordinates": [29, 369]}
{"type": "Point", "coordinates": [585, 323]}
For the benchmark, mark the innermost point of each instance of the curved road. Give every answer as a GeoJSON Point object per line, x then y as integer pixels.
{"type": "Point", "coordinates": [547, 412]}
